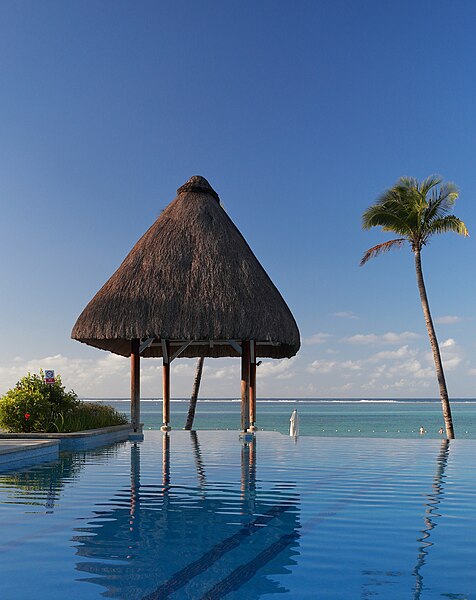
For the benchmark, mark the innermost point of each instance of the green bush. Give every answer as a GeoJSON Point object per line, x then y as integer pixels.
{"type": "Point", "coordinates": [35, 406]}
{"type": "Point", "coordinates": [90, 415]}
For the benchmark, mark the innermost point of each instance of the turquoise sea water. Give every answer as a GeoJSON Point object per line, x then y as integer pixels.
{"type": "Point", "coordinates": [326, 418]}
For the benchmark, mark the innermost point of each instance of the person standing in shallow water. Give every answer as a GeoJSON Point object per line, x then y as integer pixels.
{"type": "Point", "coordinates": [294, 424]}
{"type": "Point", "coordinates": [422, 430]}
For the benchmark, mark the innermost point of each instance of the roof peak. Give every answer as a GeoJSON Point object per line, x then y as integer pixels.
{"type": "Point", "coordinates": [198, 184]}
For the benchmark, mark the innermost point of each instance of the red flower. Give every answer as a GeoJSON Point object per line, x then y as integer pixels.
{"type": "Point", "coordinates": [27, 416]}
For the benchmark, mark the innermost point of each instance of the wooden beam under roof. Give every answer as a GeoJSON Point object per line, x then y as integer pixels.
{"type": "Point", "coordinates": [145, 344]}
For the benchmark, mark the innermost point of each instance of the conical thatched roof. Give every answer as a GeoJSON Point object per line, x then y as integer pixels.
{"type": "Point", "coordinates": [191, 277]}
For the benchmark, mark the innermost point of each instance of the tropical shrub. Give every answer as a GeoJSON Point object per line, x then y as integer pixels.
{"type": "Point", "coordinates": [35, 406]}
{"type": "Point", "coordinates": [90, 415]}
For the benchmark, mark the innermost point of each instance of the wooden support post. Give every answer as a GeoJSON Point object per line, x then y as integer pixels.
{"type": "Point", "coordinates": [245, 385]}
{"type": "Point", "coordinates": [166, 388]}
{"type": "Point", "coordinates": [135, 384]}
{"type": "Point", "coordinates": [252, 386]}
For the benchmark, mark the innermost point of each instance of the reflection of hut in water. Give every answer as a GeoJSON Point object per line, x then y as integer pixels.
{"type": "Point", "coordinates": [158, 540]}
{"type": "Point", "coordinates": [191, 287]}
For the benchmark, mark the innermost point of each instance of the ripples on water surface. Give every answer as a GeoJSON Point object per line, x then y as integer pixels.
{"type": "Point", "coordinates": [204, 516]}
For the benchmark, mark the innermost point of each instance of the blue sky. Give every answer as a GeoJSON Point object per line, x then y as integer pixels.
{"type": "Point", "coordinates": [299, 114]}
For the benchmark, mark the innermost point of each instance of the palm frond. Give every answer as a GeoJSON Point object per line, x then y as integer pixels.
{"type": "Point", "coordinates": [390, 195]}
{"type": "Point", "coordinates": [409, 183]}
{"type": "Point", "coordinates": [429, 184]}
{"type": "Point", "coordinates": [414, 210]}
{"type": "Point", "coordinates": [445, 224]}
{"type": "Point", "coordinates": [448, 195]}
{"type": "Point", "coordinates": [381, 248]}
{"type": "Point", "coordinates": [442, 201]}
{"type": "Point", "coordinates": [390, 213]}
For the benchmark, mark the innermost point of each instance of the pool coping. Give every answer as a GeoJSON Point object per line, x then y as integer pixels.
{"type": "Point", "coordinates": [78, 440]}
{"type": "Point", "coordinates": [18, 453]}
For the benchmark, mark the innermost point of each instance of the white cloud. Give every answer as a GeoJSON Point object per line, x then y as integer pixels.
{"type": "Point", "coordinates": [402, 352]}
{"type": "Point", "coordinates": [386, 338]}
{"type": "Point", "coordinates": [449, 343]}
{"type": "Point", "coordinates": [108, 375]}
{"type": "Point", "coordinates": [317, 338]}
{"type": "Point", "coordinates": [404, 370]}
{"type": "Point", "coordinates": [448, 320]}
{"type": "Point", "coordinates": [403, 362]}
{"type": "Point", "coordinates": [339, 389]}
{"type": "Point", "coordinates": [345, 314]}
{"type": "Point", "coordinates": [280, 369]}
{"type": "Point", "coordinates": [361, 338]}
{"type": "Point", "coordinates": [407, 369]}
{"type": "Point", "coordinates": [351, 365]}
{"type": "Point", "coordinates": [326, 366]}
{"type": "Point", "coordinates": [413, 368]}
{"type": "Point", "coordinates": [182, 368]}
{"type": "Point", "coordinates": [451, 354]}
{"type": "Point", "coordinates": [322, 366]}
{"type": "Point", "coordinates": [224, 372]}
{"type": "Point", "coordinates": [396, 386]}
{"type": "Point", "coordinates": [78, 373]}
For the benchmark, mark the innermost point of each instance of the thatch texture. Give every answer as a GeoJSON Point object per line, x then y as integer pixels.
{"type": "Point", "coordinates": [191, 276]}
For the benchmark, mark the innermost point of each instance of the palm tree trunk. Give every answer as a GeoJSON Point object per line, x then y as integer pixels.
{"type": "Point", "coordinates": [445, 403]}
{"type": "Point", "coordinates": [194, 396]}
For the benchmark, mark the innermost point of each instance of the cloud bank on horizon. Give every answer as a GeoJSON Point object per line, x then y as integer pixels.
{"type": "Point", "coordinates": [392, 365]}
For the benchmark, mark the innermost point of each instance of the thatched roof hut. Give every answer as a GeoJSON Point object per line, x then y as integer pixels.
{"type": "Point", "coordinates": [190, 287]}
{"type": "Point", "coordinates": [191, 277]}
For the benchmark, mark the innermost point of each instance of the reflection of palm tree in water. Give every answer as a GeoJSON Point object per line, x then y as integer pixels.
{"type": "Point", "coordinates": [433, 500]}
{"type": "Point", "coordinates": [198, 458]}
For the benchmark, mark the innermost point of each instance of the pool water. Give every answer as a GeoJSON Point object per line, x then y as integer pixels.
{"type": "Point", "coordinates": [203, 515]}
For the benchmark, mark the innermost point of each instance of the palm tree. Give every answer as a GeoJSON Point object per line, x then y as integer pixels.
{"type": "Point", "coordinates": [416, 211]}
{"type": "Point", "coordinates": [195, 389]}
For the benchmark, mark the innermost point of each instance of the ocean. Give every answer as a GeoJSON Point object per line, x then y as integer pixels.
{"type": "Point", "coordinates": [377, 418]}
